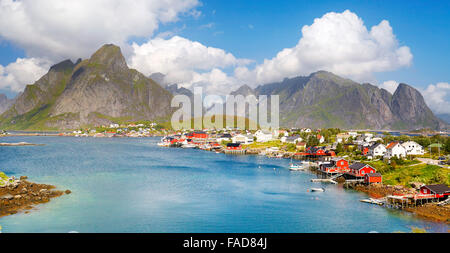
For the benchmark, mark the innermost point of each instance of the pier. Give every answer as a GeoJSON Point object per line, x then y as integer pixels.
{"type": "Point", "coordinates": [235, 151]}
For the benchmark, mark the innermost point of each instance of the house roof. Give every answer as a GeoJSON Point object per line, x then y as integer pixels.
{"type": "Point", "coordinates": [358, 166]}
{"type": "Point", "coordinates": [375, 145]}
{"type": "Point", "coordinates": [337, 159]}
{"type": "Point", "coordinates": [438, 188]}
{"type": "Point", "coordinates": [373, 174]}
{"type": "Point", "coordinates": [391, 145]}
{"type": "Point", "coordinates": [327, 165]}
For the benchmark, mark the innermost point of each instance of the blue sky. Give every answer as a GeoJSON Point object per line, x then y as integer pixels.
{"type": "Point", "coordinates": [424, 26]}
{"type": "Point", "coordinates": [258, 30]}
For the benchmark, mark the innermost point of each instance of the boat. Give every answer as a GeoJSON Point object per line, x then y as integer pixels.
{"type": "Point", "coordinates": [293, 166]}
{"type": "Point", "coordinates": [317, 189]}
{"type": "Point", "coordinates": [372, 201]}
{"type": "Point", "coordinates": [163, 144]}
{"type": "Point", "coordinates": [189, 145]}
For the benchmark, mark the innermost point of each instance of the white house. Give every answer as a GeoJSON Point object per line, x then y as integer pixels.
{"type": "Point", "coordinates": [263, 136]}
{"type": "Point", "coordinates": [291, 139]}
{"type": "Point", "coordinates": [395, 149]}
{"type": "Point", "coordinates": [353, 134]}
{"type": "Point", "coordinates": [306, 130]}
{"type": "Point", "coordinates": [413, 148]}
{"type": "Point", "coordinates": [243, 139]}
{"type": "Point", "coordinates": [377, 149]}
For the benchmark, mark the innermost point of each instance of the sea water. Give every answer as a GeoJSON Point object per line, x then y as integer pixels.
{"type": "Point", "coordinates": [132, 185]}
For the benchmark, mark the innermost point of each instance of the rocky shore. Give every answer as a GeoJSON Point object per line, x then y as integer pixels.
{"type": "Point", "coordinates": [22, 195]}
{"type": "Point", "coordinates": [429, 211]}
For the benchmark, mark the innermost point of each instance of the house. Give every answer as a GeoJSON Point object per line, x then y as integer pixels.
{"type": "Point", "coordinates": [395, 149]}
{"type": "Point", "coordinates": [234, 146]}
{"type": "Point", "coordinates": [263, 136]}
{"type": "Point", "coordinates": [200, 135]}
{"type": "Point", "coordinates": [440, 190]}
{"type": "Point", "coordinates": [371, 178]}
{"type": "Point", "coordinates": [413, 148]}
{"type": "Point", "coordinates": [320, 138]}
{"type": "Point", "coordinates": [336, 165]}
{"type": "Point", "coordinates": [224, 137]}
{"type": "Point", "coordinates": [301, 145]}
{"type": "Point", "coordinates": [360, 169]}
{"type": "Point", "coordinates": [243, 139]}
{"type": "Point", "coordinates": [291, 139]}
{"type": "Point", "coordinates": [353, 134]}
{"type": "Point", "coordinates": [342, 137]}
{"type": "Point", "coordinates": [377, 149]}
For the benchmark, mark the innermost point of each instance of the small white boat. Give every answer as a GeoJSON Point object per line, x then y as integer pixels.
{"type": "Point", "coordinates": [189, 146]}
{"type": "Point", "coordinates": [317, 189]}
{"type": "Point", "coordinates": [295, 167]}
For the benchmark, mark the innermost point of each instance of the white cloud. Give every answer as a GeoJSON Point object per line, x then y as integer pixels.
{"type": "Point", "coordinates": [337, 42]}
{"type": "Point", "coordinates": [390, 86]}
{"type": "Point", "coordinates": [59, 29]}
{"type": "Point", "coordinates": [188, 63]}
{"type": "Point", "coordinates": [22, 72]}
{"type": "Point", "coordinates": [437, 96]}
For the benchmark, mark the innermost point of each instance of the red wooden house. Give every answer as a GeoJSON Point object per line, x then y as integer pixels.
{"type": "Point", "coordinates": [440, 190]}
{"type": "Point", "coordinates": [360, 169]}
{"type": "Point", "coordinates": [365, 150]}
{"type": "Point", "coordinates": [234, 146]}
{"type": "Point", "coordinates": [371, 178]}
{"type": "Point", "coordinates": [200, 135]}
{"type": "Point", "coordinates": [336, 165]}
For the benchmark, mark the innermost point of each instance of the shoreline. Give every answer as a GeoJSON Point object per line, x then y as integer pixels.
{"type": "Point", "coordinates": [22, 195]}
{"type": "Point", "coordinates": [429, 211]}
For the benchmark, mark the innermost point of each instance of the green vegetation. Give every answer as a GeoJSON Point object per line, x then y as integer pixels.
{"type": "Point", "coordinates": [404, 175]}
{"type": "Point", "coordinates": [269, 144]}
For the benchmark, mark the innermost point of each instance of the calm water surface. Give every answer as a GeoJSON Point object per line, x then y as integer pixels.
{"type": "Point", "coordinates": [132, 185]}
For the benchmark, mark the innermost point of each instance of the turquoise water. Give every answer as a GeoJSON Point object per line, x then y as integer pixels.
{"type": "Point", "coordinates": [132, 185]}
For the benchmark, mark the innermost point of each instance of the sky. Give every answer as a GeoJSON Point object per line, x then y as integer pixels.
{"type": "Point", "coordinates": [220, 45]}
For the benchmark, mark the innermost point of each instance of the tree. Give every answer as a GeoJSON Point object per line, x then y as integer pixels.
{"type": "Point", "coordinates": [339, 148]}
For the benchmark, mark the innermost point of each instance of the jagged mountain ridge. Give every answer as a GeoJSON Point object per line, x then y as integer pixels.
{"type": "Point", "coordinates": [324, 99]}
{"type": "Point", "coordinates": [5, 103]}
{"type": "Point", "coordinates": [95, 91]}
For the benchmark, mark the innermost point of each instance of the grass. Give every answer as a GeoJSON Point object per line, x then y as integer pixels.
{"type": "Point", "coordinates": [274, 143]}
{"type": "Point", "coordinates": [428, 174]}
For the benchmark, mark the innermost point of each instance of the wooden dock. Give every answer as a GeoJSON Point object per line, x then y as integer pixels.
{"type": "Point", "coordinates": [234, 151]}
{"type": "Point", "coordinates": [323, 180]}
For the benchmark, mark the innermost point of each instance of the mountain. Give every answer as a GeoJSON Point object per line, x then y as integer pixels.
{"type": "Point", "coordinates": [324, 99]}
{"type": "Point", "coordinates": [244, 90]}
{"type": "Point", "coordinates": [444, 116]}
{"type": "Point", "coordinates": [90, 92]}
{"type": "Point", "coordinates": [5, 103]}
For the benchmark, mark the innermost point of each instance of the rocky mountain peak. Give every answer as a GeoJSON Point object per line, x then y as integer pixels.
{"type": "Point", "coordinates": [244, 90]}
{"type": "Point", "coordinates": [111, 56]}
{"type": "Point", "coordinates": [62, 66]}
{"type": "Point", "coordinates": [5, 103]}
